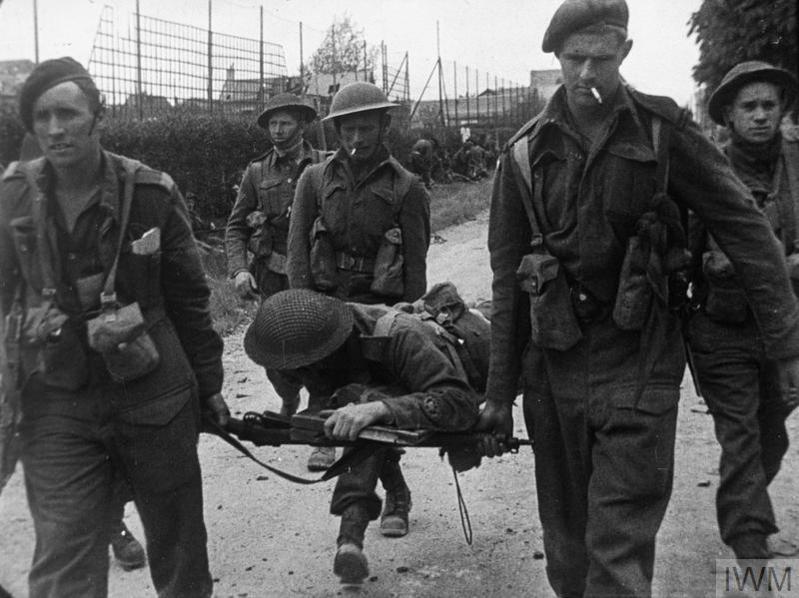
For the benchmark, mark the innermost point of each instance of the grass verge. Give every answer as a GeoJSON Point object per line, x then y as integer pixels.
{"type": "Point", "coordinates": [449, 205]}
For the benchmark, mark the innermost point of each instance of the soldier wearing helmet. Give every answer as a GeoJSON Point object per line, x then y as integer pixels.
{"type": "Point", "coordinates": [359, 231]}
{"type": "Point", "coordinates": [737, 378]}
{"type": "Point", "coordinates": [381, 366]}
{"type": "Point", "coordinates": [259, 222]}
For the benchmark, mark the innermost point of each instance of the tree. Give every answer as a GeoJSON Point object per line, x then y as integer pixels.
{"type": "Point", "coordinates": [732, 31]}
{"type": "Point", "coordinates": [342, 50]}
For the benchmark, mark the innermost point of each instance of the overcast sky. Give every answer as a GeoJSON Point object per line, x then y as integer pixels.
{"type": "Point", "coordinates": [500, 37]}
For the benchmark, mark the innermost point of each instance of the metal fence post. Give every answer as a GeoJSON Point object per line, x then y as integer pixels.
{"type": "Point", "coordinates": [210, 62]}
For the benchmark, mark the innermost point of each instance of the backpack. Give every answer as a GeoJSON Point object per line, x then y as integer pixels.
{"type": "Point", "coordinates": [467, 332]}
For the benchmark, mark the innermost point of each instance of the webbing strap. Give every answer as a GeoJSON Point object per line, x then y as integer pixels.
{"type": "Point", "coordinates": [42, 241]}
{"type": "Point", "coordinates": [131, 166]}
{"type": "Point", "coordinates": [347, 460]}
{"type": "Point", "coordinates": [521, 160]}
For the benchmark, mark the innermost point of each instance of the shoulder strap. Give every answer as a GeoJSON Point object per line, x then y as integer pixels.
{"type": "Point", "coordinates": [661, 136]}
{"type": "Point", "coordinates": [109, 296]}
{"type": "Point", "coordinates": [524, 176]}
{"type": "Point", "coordinates": [42, 241]}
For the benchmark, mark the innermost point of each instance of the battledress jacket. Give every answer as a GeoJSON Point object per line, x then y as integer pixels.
{"type": "Point", "coordinates": [167, 281]}
{"type": "Point", "coordinates": [267, 185]}
{"type": "Point", "coordinates": [592, 202]}
{"type": "Point", "coordinates": [357, 215]}
{"type": "Point", "coordinates": [405, 364]}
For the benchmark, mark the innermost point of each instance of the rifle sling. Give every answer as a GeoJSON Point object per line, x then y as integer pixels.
{"type": "Point", "coordinates": [347, 460]}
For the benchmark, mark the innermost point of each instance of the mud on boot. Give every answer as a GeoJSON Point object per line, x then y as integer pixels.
{"type": "Point", "coordinates": [394, 520]}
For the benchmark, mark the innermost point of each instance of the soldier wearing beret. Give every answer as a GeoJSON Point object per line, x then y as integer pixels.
{"type": "Point", "coordinates": [589, 256]}
{"type": "Point", "coordinates": [736, 374]}
{"type": "Point", "coordinates": [259, 224]}
{"type": "Point", "coordinates": [110, 347]}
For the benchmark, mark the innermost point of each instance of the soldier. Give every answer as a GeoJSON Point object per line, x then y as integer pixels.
{"type": "Point", "coordinates": [736, 375]}
{"type": "Point", "coordinates": [115, 355]}
{"type": "Point", "coordinates": [360, 229]}
{"type": "Point", "coordinates": [127, 550]}
{"type": "Point", "coordinates": [422, 160]}
{"type": "Point", "coordinates": [588, 253]}
{"type": "Point", "coordinates": [380, 366]}
{"type": "Point", "coordinates": [259, 222]}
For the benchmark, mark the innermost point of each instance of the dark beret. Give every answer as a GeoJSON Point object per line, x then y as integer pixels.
{"type": "Point", "coordinates": [574, 15]}
{"type": "Point", "coordinates": [47, 74]}
{"type": "Point", "coordinates": [742, 74]}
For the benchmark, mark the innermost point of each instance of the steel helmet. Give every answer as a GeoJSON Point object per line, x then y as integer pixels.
{"type": "Point", "coordinates": [285, 101]}
{"type": "Point", "coordinates": [748, 72]}
{"type": "Point", "coordinates": [296, 328]}
{"type": "Point", "coordinates": [358, 97]}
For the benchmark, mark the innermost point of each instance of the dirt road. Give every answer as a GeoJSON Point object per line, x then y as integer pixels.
{"type": "Point", "coordinates": [270, 538]}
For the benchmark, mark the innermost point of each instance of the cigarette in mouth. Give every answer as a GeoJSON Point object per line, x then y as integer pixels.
{"type": "Point", "coordinates": [595, 93]}
{"type": "Point", "coordinates": [353, 150]}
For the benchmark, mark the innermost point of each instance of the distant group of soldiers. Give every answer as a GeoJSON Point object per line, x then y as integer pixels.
{"type": "Point", "coordinates": [606, 209]}
{"type": "Point", "coordinates": [433, 163]}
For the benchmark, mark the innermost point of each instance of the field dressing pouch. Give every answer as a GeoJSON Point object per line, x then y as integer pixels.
{"type": "Point", "coordinates": [119, 333]}
{"type": "Point", "coordinates": [389, 265]}
{"type": "Point", "coordinates": [553, 323]}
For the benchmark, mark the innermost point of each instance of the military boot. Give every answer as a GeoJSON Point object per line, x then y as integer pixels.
{"type": "Point", "coordinates": [126, 548]}
{"type": "Point", "coordinates": [350, 563]}
{"type": "Point", "coordinates": [394, 519]}
{"type": "Point", "coordinates": [321, 458]}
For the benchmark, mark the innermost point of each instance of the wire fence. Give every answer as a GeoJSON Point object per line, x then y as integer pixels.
{"type": "Point", "coordinates": [147, 67]}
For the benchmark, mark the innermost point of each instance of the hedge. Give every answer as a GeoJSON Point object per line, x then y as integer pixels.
{"type": "Point", "coordinates": [206, 155]}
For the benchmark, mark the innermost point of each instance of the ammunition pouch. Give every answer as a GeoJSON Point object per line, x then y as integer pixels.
{"type": "Point", "coordinates": [552, 320]}
{"type": "Point", "coordinates": [634, 295]}
{"type": "Point", "coordinates": [726, 301]}
{"type": "Point", "coordinates": [260, 241]}
{"type": "Point", "coordinates": [322, 257]}
{"type": "Point", "coordinates": [120, 335]}
{"type": "Point", "coordinates": [50, 345]}
{"type": "Point", "coordinates": [389, 263]}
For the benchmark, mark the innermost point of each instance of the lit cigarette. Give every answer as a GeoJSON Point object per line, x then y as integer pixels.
{"type": "Point", "coordinates": [353, 150]}
{"type": "Point", "coordinates": [595, 93]}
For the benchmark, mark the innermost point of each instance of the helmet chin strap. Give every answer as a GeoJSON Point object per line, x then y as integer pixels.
{"type": "Point", "coordinates": [286, 147]}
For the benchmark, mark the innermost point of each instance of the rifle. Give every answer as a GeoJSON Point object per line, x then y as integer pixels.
{"type": "Point", "coordinates": [272, 429]}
